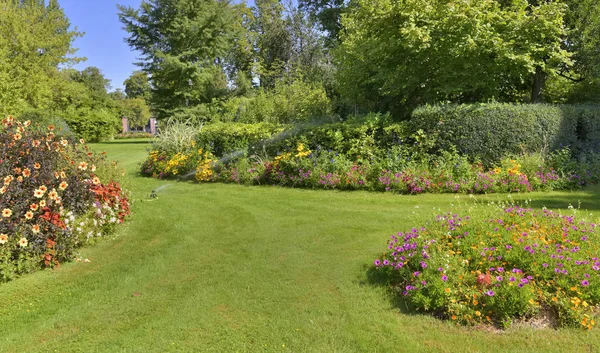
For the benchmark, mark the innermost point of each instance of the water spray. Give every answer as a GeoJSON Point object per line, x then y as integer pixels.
{"type": "Point", "coordinates": [280, 136]}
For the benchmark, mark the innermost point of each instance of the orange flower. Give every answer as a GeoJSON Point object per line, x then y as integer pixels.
{"type": "Point", "coordinates": [63, 175]}
{"type": "Point", "coordinates": [29, 215]}
{"type": "Point", "coordinates": [63, 185]}
{"type": "Point", "coordinates": [3, 190]}
{"type": "Point", "coordinates": [17, 136]}
{"type": "Point", "coordinates": [82, 166]}
{"type": "Point", "coordinates": [96, 180]}
{"type": "Point", "coordinates": [35, 228]}
{"type": "Point", "coordinates": [453, 317]}
{"type": "Point", "coordinates": [93, 168]}
{"type": "Point", "coordinates": [447, 290]}
{"type": "Point", "coordinates": [26, 172]}
{"type": "Point", "coordinates": [3, 238]}
{"type": "Point", "coordinates": [36, 143]}
{"type": "Point", "coordinates": [6, 213]}
{"type": "Point", "coordinates": [50, 127]}
{"type": "Point", "coordinates": [8, 179]}
{"type": "Point", "coordinates": [20, 179]}
{"type": "Point", "coordinates": [27, 123]}
{"type": "Point", "coordinates": [37, 166]}
{"type": "Point", "coordinates": [33, 207]}
{"type": "Point", "coordinates": [43, 188]}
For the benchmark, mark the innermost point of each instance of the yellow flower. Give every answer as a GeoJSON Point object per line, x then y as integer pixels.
{"type": "Point", "coordinates": [43, 188]}
{"type": "Point", "coordinates": [82, 166]}
{"type": "Point", "coordinates": [63, 185]}
{"type": "Point", "coordinates": [29, 215]}
{"type": "Point", "coordinates": [35, 228]}
{"type": "Point", "coordinates": [6, 213]}
{"type": "Point", "coordinates": [3, 238]}
{"type": "Point", "coordinates": [17, 136]}
{"type": "Point", "coordinates": [33, 207]}
{"type": "Point", "coordinates": [23, 242]}
{"type": "Point", "coordinates": [3, 190]}
{"type": "Point", "coordinates": [38, 193]}
{"type": "Point", "coordinates": [477, 313]}
{"type": "Point", "coordinates": [96, 180]}
{"type": "Point", "coordinates": [43, 203]}
{"type": "Point", "coordinates": [447, 290]}
{"type": "Point", "coordinates": [53, 195]}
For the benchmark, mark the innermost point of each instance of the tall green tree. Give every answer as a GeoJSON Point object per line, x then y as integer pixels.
{"type": "Point", "coordinates": [328, 13]}
{"type": "Point", "coordinates": [399, 54]}
{"type": "Point", "coordinates": [35, 39]}
{"type": "Point", "coordinates": [273, 41]}
{"type": "Point", "coordinates": [184, 46]}
{"type": "Point", "coordinates": [137, 85]}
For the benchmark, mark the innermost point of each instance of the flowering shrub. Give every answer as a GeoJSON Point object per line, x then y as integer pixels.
{"type": "Point", "coordinates": [510, 265]}
{"type": "Point", "coordinates": [53, 198]}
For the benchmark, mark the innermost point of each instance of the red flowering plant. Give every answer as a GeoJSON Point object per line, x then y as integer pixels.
{"type": "Point", "coordinates": [48, 197]}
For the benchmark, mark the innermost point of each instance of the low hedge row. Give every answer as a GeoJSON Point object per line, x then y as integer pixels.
{"type": "Point", "coordinates": [492, 131]}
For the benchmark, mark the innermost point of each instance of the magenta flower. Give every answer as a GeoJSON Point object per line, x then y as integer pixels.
{"type": "Point", "coordinates": [490, 293]}
{"type": "Point", "coordinates": [585, 283]}
{"type": "Point", "coordinates": [444, 278]}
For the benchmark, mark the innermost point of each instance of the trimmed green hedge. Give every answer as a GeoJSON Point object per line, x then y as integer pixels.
{"type": "Point", "coordinates": [493, 131]}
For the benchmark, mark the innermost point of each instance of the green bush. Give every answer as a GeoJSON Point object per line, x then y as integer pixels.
{"type": "Point", "coordinates": [492, 131]}
{"type": "Point", "coordinates": [93, 125]}
{"type": "Point", "coordinates": [224, 138]}
{"type": "Point", "coordinates": [286, 103]}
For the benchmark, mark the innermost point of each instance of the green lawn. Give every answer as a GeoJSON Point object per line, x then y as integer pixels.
{"type": "Point", "coordinates": [223, 268]}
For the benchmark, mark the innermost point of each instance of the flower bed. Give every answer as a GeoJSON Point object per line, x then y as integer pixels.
{"type": "Point", "coordinates": [509, 265]}
{"type": "Point", "coordinates": [326, 169]}
{"type": "Point", "coordinates": [56, 196]}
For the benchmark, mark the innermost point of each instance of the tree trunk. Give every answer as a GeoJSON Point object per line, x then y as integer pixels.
{"type": "Point", "coordinates": [539, 80]}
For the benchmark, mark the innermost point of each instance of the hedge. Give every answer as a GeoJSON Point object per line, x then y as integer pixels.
{"type": "Point", "coordinates": [492, 131]}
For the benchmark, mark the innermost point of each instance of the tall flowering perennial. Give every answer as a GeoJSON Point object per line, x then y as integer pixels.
{"type": "Point", "coordinates": [500, 268]}
{"type": "Point", "coordinates": [50, 186]}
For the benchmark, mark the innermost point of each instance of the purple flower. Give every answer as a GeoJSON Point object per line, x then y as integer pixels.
{"type": "Point", "coordinates": [424, 283]}
{"type": "Point", "coordinates": [585, 283]}
{"type": "Point", "coordinates": [490, 293]}
{"type": "Point", "coordinates": [386, 262]}
{"type": "Point", "coordinates": [440, 269]}
{"type": "Point", "coordinates": [545, 265]}
{"type": "Point", "coordinates": [499, 278]}
{"type": "Point", "coordinates": [377, 262]}
{"type": "Point", "coordinates": [423, 264]}
{"type": "Point", "coordinates": [416, 273]}
{"type": "Point", "coordinates": [512, 279]}
{"type": "Point", "coordinates": [500, 269]}
{"type": "Point", "coordinates": [586, 275]}
{"type": "Point", "coordinates": [444, 278]}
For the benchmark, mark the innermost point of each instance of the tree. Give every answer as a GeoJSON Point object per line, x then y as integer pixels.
{"type": "Point", "coordinates": [96, 84]}
{"type": "Point", "coordinates": [136, 110]}
{"type": "Point", "coordinates": [273, 41]}
{"type": "Point", "coordinates": [328, 14]}
{"type": "Point", "coordinates": [399, 54]}
{"type": "Point", "coordinates": [184, 45]}
{"type": "Point", "coordinates": [137, 85]}
{"type": "Point", "coordinates": [35, 38]}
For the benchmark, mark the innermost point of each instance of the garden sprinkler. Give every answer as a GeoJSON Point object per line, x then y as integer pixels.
{"type": "Point", "coordinates": [154, 193]}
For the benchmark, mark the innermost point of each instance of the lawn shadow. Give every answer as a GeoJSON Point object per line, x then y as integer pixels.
{"type": "Point", "coordinates": [375, 277]}
{"type": "Point", "coordinates": [127, 142]}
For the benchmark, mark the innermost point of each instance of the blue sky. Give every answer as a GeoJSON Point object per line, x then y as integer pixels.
{"type": "Point", "coordinates": [103, 43]}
